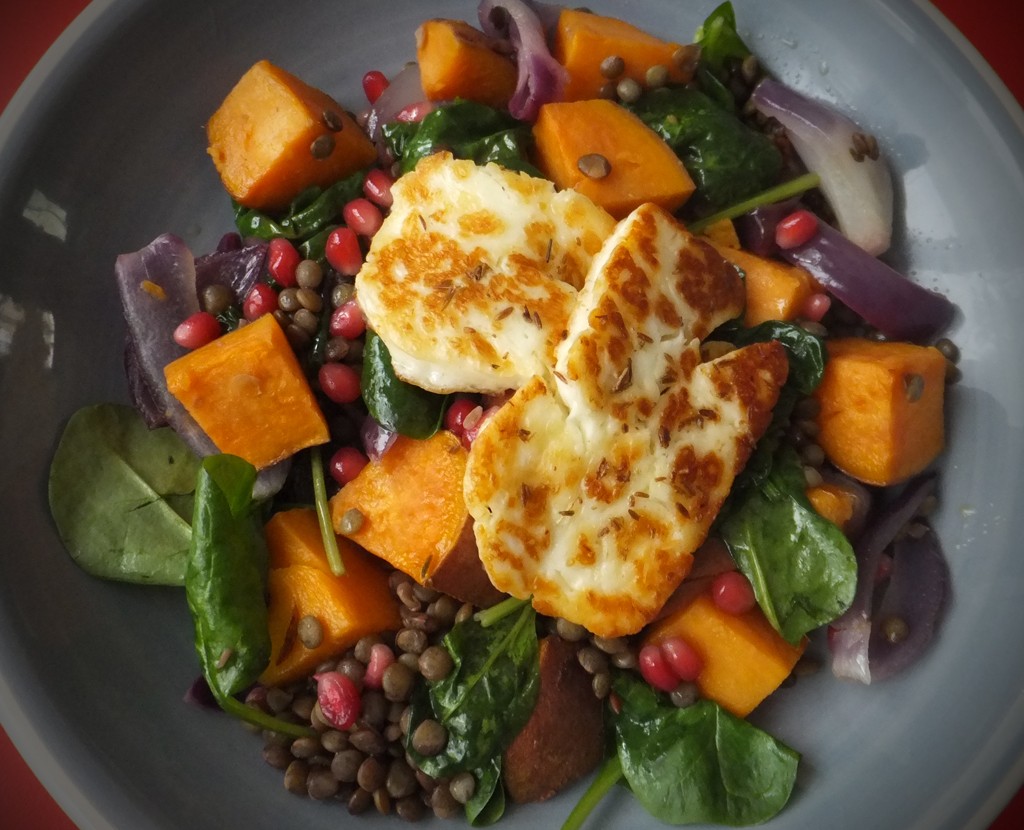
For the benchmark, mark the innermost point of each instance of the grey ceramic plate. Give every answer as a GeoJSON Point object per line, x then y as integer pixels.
{"type": "Point", "coordinates": [103, 149]}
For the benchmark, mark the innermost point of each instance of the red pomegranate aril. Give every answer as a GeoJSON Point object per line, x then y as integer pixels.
{"type": "Point", "coordinates": [374, 83]}
{"type": "Point", "coordinates": [732, 592]}
{"type": "Point", "coordinates": [377, 187]}
{"type": "Point", "coordinates": [381, 656]}
{"type": "Point", "coordinates": [261, 299]}
{"type": "Point", "coordinates": [347, 321]}
{"type": "Point", "coordinates": [816, 306]}
{"type": "Point", "coordinates": [282, 260]}
{"type": "Point", "coordinates": [796, 229]}
{"type": "Point", "coordinates": [197, 330]}
{"type": "Point", "coordinates": [684, 660]}
{"type": "Point", "coordinates": [655, 668]}
{"type": "Point", "coordinates": [362, 216]}
{"type": "Point", "coordinates": [346, 464]}
{"type": "Point", "coordinates": [343, 252]}
{"type": "Point", "coordinates": [455, 417]}
{"type": "Point", "coordinates": [339, 699]}
{"type": "Point", "coordinates": [340, 382]}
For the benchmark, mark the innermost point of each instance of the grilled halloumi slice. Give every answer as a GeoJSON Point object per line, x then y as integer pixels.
{"type": "Point", "coordinates": [591, 488]}
{"type": "Point", "coordinates": [472, 277]}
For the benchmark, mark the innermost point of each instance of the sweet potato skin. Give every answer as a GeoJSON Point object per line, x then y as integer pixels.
{"type": "Point", "coordinates": [564, 738]}
{"type": "Point", "coordinates": [582, 40]}
{"type": "Point", "coordinates": [300, 583]}
{"type": "Point", "coordinates": [458, 61]}
{"type": "Point", "coordinates": [415, 516]}
{"type": "Point", "coordinates": [260, 138]}
{"type": "Point", "coordinates": [248, 392]}
{"type": "Point", "coordinates": [882, 408]}
{"type": "Point", "coordinates": [642, 167]}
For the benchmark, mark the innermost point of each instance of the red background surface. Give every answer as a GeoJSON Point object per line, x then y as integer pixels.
{"type": "Point", "coordinates": [27, 30]}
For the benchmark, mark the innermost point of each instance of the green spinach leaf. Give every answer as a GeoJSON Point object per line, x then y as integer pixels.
{"type": "Point", "coordinates": [720, 44]}
{"type": "Point", "coordinates": [727, 159]}
{"type": "Point", "coordinates": [395, 404]}
{"type": "Point", "coordinates": [801, 566]}
{"type": "Point", "coordinates": [487, 805]}
{"type": "Point", "coordinates": [488, 696]}
{"type": "Point", "coordinates": [121, 496]}
{"type": "Point", "coordinates": [308, 218]}
{"type": "Point", "coordinates": [469, 131]}
{"type": "Point", "coordinates": [225, 581]}
{"type": "Point", "coordinates": [699, 764]}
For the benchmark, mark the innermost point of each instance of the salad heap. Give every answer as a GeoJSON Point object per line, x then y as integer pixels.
{"type": "Point", "coordinates": [530, 424]}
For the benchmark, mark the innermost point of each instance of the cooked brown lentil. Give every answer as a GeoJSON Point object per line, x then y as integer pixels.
{"type": "Point", "coordinates": [612, 67]}
{"type": "Point", "coordinates": [628, 90]}
{"type": "Point", "coordinates": [594, 165]}
{"type": "Point", "coordinates": [310, 632]}
{"type": "Point", "coordinates": [322, 146]}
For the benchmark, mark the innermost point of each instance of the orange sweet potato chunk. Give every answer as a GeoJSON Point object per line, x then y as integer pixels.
{"type": "Point", "coordinates": [582, 40]}
{"type": "Point", "coordinates": [882, 418]}
{"type": "Point", "coordinates": [775, 290]}
{"type": "Point", "coordinates": [745, 659]}
{"type": "Point", "coordinates": [833, 501]}
{"type": "Point", "coordinates": [415, 516]}
{"type": "Point", "coordinates": [458, 61]}
{"type": "Point", "coordinates": [249, 394]}
{"type": "Point", "coordinates": [641, 167]}
{"type": "Point", "coordinates": [260, 139]}
{"type": "Point", "coordinates": [300, 583]}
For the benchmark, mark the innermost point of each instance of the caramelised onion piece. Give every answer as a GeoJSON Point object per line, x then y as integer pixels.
{"type": "Point", "coordinates": [912, 607]}
{"type": "Point", "coordinates": [377, 439]}
{"type": "Point", "coordinates": [896, 306]}
{"type": "Point", "coordinates": [756, 229]}
{"type": "Point", "coordinates": [236, 269]}
{"type": "Point", "coordinates": [541, 78]}
{"type": "Point", "coordinates": [404, 91]}
{"type": "Point", "coordinates": [854, 177]}
{"type": "Point", "coordinates": [851, 635]}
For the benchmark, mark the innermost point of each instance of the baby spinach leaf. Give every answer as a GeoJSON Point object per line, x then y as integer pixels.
{"type": "Point", "coordinates": [225, 581]}
{"type": "Point", "coordinates": [720, 45]}
{"type": "Point", "coordinates": [395, 404]}
{"type": "Point", "coordinates": [699, 764]}
{"type": "Point", "coordinates": [469, 131]}
{"type": "Point", "coordinates": [727, 159]}
{"type": "Point", "coordinates": [487, 805]}
{"type": "Point", "coordinates": [488, 696]}
{"type": "Point", "coordinates": [801, 566]}
{"type": "Point", "coordinates": [308, 216]}
{"type": "Point", "coordinates": [121, 496]}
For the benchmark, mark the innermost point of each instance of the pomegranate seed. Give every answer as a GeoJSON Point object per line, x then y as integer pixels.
{"type": "Point", "coordinates": [615, 702]}
{"type": "Point", "coordinates": [282, 260]}
{"type": "Point", "coordinates": [472, 424]}
{"type": "Point", "coordinates": [363, 216]}
{"type": "Point", "coordinates": [339, 699]}
{"type": "Point", "coordinates": [655, 668]}
{"type": "Point", "coordinates": [346, 464]}
{"type": "Point", "coordinates": [796, 229]}
{"type": "Point", "coordinates": [374, 83]}
{"type": "Point", "coordinates": [414, 113]}
{"type": "Point", "coordinates": [340, 382]}
{"type": "Point", "coordinates": [455, 417]}
{"type": "Point", "coordinates": [347, 321]}
{"type": "Point", "coordinates": [343, 252]}
{"type": "Point", "coordinates": [261, 299]}
{"type": "Point", "coordinates": [684, 660]}
{"type": "Point", "coordinates": [197, 330]}
{"type": "Point", "coordinates": [815, 306]}
{"type": "Point", "coordinates": [731, 591]}
{"type": "Point", "coordinates": [381, 656]}
{"type": "Point", "coordinates": [884, 570]}
{"type": "Point", "coordinates": [377, 187]}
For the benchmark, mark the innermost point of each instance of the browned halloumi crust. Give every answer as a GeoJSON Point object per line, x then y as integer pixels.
{"type": "Point", "coordinates": [591, 488]}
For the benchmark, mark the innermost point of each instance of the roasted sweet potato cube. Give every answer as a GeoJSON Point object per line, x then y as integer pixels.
{"type": "Point", "coordinates": [262, 137]}
{"type": "Point", "coordinates": [249, 394]}
{"type": "Point", "coordinates": [458, 61]}
{"type": "Point", "coordinates": [300, 584]}
{"type": "Point", "coordinates": [882, 418]}
{"type": "Point", "coordinates": [774, 290]}
{"type": "Point", "coordinates": [414, 516]}
{"type": "Point", "coordinates": [745, 659]}
{"type": "Point", "coordinates": [564, 738]}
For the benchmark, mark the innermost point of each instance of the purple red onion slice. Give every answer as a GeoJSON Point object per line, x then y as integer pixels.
{"type": "Point", "coordinates": [857, 185]}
